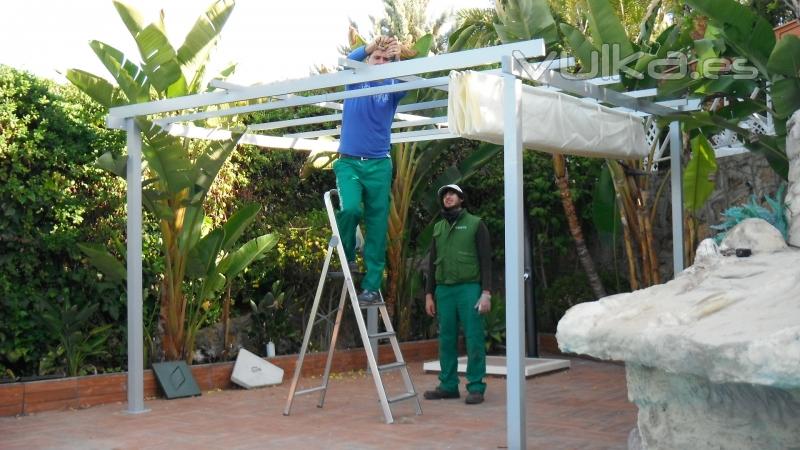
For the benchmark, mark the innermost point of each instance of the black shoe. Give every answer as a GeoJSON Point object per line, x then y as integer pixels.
{"type": "Point", "coordinates": [369, 297]}
{"type": "Point", "coordinates": [473, 398]}
{"type": "Point", "coordinates": [438, 394]}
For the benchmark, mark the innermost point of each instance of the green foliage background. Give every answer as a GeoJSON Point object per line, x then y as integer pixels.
{"type": "Point", "coordinates": [51, 197]}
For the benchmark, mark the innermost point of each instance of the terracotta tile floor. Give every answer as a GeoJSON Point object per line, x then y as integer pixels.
{"type": "Point", "coordinates": [584, 407]}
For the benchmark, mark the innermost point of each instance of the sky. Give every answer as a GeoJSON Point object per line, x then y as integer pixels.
{"type": "Point", "coordinates": [270, 40]}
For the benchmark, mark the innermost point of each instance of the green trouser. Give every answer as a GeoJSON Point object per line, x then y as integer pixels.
{"type": "Point", "coordinates": [455, 305]}
{"type": "Point", "coordinates": [369, 182]}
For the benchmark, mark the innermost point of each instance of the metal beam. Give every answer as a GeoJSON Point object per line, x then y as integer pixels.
{"type": "Point", "coordinates": [457, 60]}
{"type": "Point", "coordinates": [585, 89]}
{"type": "Point", "coordinates": [676, 184]}
{"type": "Point", "coordinates": [258, 140]}
{"type": "Point", "coordinates": [422, 135]}
{"type": "Point", "coordinates": [302, 100]}
{"type": "Point", "coordinates": [401, 124]}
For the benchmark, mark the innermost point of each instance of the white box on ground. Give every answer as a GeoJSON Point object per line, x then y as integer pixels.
{"type": "Point", "coordinates": [250, 371]}
{"type": "Point", "coordinates": [496, 365]}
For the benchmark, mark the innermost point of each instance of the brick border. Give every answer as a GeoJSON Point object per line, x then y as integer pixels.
{"type": "Point", "coordinates": [82, 392]}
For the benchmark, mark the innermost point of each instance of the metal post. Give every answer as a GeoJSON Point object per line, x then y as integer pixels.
{"type": "Point", "coordinates": [531, 331]}
{"type": "Point", "coordinates": [134, 266]}
{"type": "Point", "coordinates": [515, 299]}
{"type": "Point", "coordinates": [676, 170]}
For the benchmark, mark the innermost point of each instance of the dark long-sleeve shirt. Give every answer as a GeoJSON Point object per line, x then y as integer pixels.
{"type": "Point", "coordinates": [484, 260]}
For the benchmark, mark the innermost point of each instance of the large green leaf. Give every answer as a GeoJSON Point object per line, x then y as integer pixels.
{"type": "Point", "coordinates": [160, 60]}
{"type": "Point", "coordinates": [785, 58]}
{"type": "Point", "coordinates": [698, 178]}
{"type": "Point", "coordinates": [749, 34]}
{"type": "Point", "coordinates": [580, 45]}
{"type": "Point", "coordinates": [524, 20]}
{"type": "Point", "coordinates": [130, 78]}
{"type": "Point", "coordinates": [105, 262]}
{"type": "Point", "coordinates": [95, 87]}
{"type": "Point", "coordinates": [202, 260]}
{"type": "Point", "coordinates": [156, 202]}
{"type": "Point", "coordinates": [210, 161]}
{"type": "Point", "coordinates": [237, 223]}
{"type": "Point", "coordinates": [786, 96]}
{"type": "Point", "coordinates": [423, 46]}
{"type": "Point", "coordinates": [239, 259]}
{"type": "Point", "coordinates": [116, 165]}
{"type": "Point", "coordinates": [205, 30]}
{"type": "Point", "coordinates": [130, 16]}
{"type": "Point", "coordinates": [774, 149]}
{"type": "Point", "coordinates": [605, 214]}
{"type": "Point", "coordinates": [167, 157]}
{"type": "Point", "coordinates": [211, 285]}
{"type": "Point", "coordinates": [606, 29]}
{"type": "Point", "coordinates": [192, 226]}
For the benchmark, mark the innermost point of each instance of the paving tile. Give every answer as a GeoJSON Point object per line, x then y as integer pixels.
{"type": "Point", "coordinates": [585, 407]}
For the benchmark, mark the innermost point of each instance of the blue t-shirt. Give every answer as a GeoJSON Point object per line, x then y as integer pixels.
{"type": "Point", "coordinates": [367, 121]}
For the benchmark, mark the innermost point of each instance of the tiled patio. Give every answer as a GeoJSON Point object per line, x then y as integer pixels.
{"type": "Point", "coordinates": [585, 407]}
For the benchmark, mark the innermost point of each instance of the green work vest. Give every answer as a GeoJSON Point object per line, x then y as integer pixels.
{"type": "Point", "coordinates": [456, 250]}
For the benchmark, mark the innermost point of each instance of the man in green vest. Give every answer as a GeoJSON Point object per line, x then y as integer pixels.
{"type": "Point", "coordinates": [459, 280]}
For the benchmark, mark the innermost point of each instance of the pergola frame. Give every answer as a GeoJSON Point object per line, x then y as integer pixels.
{"type": "Point", "coordinates": [169, 113]}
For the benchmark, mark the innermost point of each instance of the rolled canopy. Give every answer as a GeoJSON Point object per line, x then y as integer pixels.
{"type": "Point", "coordinates": [552, 122]}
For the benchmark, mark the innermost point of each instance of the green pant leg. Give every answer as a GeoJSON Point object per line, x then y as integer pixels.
{"type": "Point", "coordinates": [350, 189]}
{"type": "Point", "coordinates": [472, 322]}
{"type": "Point", "coordinates": [376, 178]}
{"type": "Point", "coordinates": [446, 313]}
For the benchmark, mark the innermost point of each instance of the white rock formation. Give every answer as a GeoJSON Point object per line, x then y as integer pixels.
{"type": "Point", "coordinates": [713, 356]}
{"type": "Point", "coordinates": [793, 194]}
{"type": "Point", "coordinates": [754, 234]}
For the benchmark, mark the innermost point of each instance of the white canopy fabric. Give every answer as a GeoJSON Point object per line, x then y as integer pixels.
{"type": "Point", "coordinates": [552, 122]}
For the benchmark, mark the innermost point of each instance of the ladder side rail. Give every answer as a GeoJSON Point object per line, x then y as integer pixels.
{"type": "Point", "coordinates": [409, 385]}
{"type": "Point", "coordinates": [311, 318]}
{"type": "Point", "coordinates": [332, 348]}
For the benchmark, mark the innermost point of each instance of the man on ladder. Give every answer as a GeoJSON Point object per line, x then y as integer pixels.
{"type": "Point", "coordinates": [364, 168]}
{"type": "Point", "coordinates": [363, 172]}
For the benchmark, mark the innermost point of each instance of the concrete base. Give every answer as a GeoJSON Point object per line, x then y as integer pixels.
{"type": "Point", "coordinates": [251, 371]}
{"type": "Point", "coordinates": [496, 365]}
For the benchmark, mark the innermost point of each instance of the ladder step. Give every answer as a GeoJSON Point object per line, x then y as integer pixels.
{"type": "Point", "coordinates": [391, 366]}
{"type": "Point", "coordinates": [310, 390]}
{"type": "Point", "coordinates": [402, 397]}
{"type": "Point", "coordinates": [371, 305]}
{"type": "Point", "coordinates": [340, 275]}
{"type": "Point", "coordinates": [382, 335]}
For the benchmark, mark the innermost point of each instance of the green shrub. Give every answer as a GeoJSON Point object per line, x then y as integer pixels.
{"type": "Point", "coordinates": [51, 198]}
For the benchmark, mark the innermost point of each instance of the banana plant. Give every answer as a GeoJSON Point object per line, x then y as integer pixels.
{"type": "Point", "coordinates": [178, 173]}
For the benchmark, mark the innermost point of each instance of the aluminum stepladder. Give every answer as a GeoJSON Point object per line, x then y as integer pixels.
{"type": "Point", "coordinates": [349, 290]}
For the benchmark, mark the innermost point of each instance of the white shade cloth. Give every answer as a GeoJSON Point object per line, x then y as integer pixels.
{"type": "Point", "coordinates": [552, 122]}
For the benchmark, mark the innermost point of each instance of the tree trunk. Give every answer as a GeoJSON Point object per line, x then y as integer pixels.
{"type": "Point", "coordinates": [585, 258]}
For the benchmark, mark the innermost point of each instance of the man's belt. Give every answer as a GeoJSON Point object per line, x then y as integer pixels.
{"type": "Point", "coordinates": [362, 158]}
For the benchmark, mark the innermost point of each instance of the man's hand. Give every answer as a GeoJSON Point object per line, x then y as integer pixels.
{"type": "Point", "coordinates": [393, 50]}
{"type": "Point", "coordinates": [383, 43]}
{"type": "Point", "coordinates": [484, 304]}
{"type": "Point", "coordinates": [430, 306]}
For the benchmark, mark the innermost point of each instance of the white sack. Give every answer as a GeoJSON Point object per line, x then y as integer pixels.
{"type": "Point", "coordinates": [551, 121]}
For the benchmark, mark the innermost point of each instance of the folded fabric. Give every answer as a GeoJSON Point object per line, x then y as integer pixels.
{"type": "Point", "coordinates": [552, 122]}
